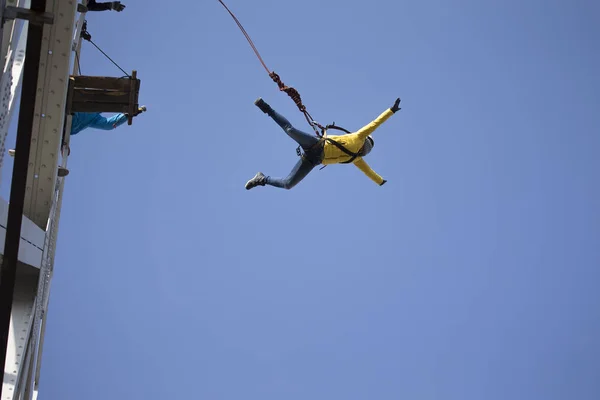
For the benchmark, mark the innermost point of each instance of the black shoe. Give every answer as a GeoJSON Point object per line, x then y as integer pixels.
{"type": "Point", "coordinates": [62, 171]}
{"type": "Point", "coordinates": [264, 107]}
{"type": "Point", "coordinates": [259, 179]}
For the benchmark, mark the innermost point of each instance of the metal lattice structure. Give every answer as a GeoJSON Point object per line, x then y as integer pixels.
{"type": "Point", "coordinates": [60, 41]}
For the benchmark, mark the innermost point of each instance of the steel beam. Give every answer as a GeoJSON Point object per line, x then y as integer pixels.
{"type": "Point", "coordinates": [53, 229]}
{"type": "Point", "coordinates": [11, 13]}
{"type": "Point", "coordinates": [18, 184]}
{"type": "Point", "coordinates": [17, 358]}
{"type": "Point", "coordinates": [31, 245]}
{"type": "Point", "coordinates": [43, 195]}
{"type": "Point", "coordinates": [49, 112]}
{"type": "Point", "coordinates": [12, 54]}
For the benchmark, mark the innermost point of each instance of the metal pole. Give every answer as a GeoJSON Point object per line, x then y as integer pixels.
{"type": "Point", "coordinates": [19, 177]}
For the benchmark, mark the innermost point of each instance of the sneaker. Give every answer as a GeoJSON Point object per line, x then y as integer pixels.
{"type": "Point", "coordinates": [81, 8]}
{"type": "Point", "coordinates": [11, 152]}
{"type": "Point", "coordinates": [259, 179]}
{"type": "Point", "coordinates": [264, 107]}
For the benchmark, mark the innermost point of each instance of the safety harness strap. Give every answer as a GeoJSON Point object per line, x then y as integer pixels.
{"type": "Point", "coordinates": [345, 150]}
{"type": "Point", "coordinates": [339, 128]}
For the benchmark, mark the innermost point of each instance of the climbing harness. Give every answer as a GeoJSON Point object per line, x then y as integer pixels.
{"type": "Point", "coordinates": [324, 139]}
{"type": "Point", "coordinates": [345, 150]}
{"type": "Point", "coordinates": [86, 36]}
{"type": "Point", "coordinates": [319, 129]}
{"type": "Point", "coordinates": [310, 153]}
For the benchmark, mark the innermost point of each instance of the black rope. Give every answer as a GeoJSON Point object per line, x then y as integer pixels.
{"type": "Point", "coordinates": [106, 55]}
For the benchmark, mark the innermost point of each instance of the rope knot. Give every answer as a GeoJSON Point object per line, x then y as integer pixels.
{"type": "Point", "coordinates": [277, 80]}
{"type": "Point", "coordinates": [293, 93]}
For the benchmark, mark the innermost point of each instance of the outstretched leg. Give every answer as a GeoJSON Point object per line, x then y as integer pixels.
{"type": "Point", "coordinates": [304, 139]}
{"type": "Point", "coordinates": [299, 172]}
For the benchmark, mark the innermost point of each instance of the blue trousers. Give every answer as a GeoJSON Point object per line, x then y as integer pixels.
{"type": "Point", "coordinates": [304, 165]}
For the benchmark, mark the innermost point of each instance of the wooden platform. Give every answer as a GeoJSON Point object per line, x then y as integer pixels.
{"type": "Point", "coordinates": [104, 94]}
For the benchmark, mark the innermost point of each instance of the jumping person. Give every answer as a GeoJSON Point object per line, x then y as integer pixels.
{"type": "Point", "coordinates": [342, 149]}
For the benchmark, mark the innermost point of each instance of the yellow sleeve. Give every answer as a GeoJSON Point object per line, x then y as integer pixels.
{"type": "Point", "coordinates": [364, 167]}
{"type": "Point", "coordinates": [368, 129]}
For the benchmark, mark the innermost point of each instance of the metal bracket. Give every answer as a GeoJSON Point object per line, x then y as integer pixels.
{"type": "Point", "coordinates": [33, 17]}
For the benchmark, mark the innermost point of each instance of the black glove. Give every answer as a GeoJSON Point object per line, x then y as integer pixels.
{"type": "Point", "coordinates": [383, 183]}
{"type": "Point", "coordinates": [395, 106]}
{"type": "Point", "coordinates": [117, 6]}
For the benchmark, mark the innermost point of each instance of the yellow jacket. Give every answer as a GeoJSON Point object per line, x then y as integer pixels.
{"type": "Point", "coordinates": [354, 142]}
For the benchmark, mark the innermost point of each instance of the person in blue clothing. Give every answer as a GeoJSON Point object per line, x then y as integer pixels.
{"type": "Point", "coordinates": [82, 121]}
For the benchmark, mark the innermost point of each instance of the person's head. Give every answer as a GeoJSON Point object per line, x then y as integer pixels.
{"type": "Point", "coordinates": [367, 147]}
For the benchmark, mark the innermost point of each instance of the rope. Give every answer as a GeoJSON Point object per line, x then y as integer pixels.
{"type": "Point", "coordinates": [106, 55]}
{"type": "Point", "coordinates": [295, 96]}
{"type": "Point", "coordinates": [291, 92]}
{"type": "Point", "coordinates": [86, 36]}
{"type": "Point", "coordinates": [247, 37]}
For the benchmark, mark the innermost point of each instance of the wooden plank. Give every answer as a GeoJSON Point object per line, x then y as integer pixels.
{"type": "Point", "coordinates": [135, 88]}
{"type": "Point", "coordinates": [102, 82]}
{"type": "Point", "coordinates": [99, 96]}
{"type": "Point", "coordinates": [102, 107]}
{"type": "Point", "coordinates": [132, 104]}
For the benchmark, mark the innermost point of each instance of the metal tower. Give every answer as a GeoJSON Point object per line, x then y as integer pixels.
{"type": "Point", "coordinates": [39, 39]}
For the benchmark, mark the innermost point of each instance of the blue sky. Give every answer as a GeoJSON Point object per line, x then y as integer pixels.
{"type": "Point", "coordinates": [472, 274]}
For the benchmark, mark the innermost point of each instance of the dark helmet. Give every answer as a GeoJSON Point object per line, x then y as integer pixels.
{"type": "Point", "coordinates": [368, 146]}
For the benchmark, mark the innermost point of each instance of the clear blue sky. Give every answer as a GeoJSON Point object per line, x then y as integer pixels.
{"type": "Point", "coordinates": [472, 274]}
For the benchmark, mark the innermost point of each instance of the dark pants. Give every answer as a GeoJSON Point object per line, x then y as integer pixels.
{"type": "Point", "coordinates": [102, 6]}
{"type": "Point", "coordinates": [306, 164]}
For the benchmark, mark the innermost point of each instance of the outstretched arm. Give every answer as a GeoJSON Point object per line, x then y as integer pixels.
{"type": "Point", "coordinates": [364, 167]}
{"type": "Point", "coordinates": [368, 129]}
{"type": "Point", "coordinates": [107, 124]}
